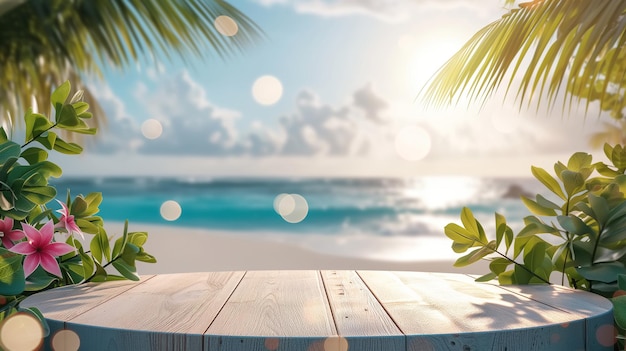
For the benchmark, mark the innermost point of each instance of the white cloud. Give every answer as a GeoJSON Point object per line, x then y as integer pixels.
{"type": "Point", "coordinates": [386, 10]}
{"type": "Point", "coordinates": [363, 126]}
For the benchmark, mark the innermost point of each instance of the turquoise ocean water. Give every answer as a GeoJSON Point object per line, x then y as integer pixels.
{"type": "Point", "coordinates": [374, 206]}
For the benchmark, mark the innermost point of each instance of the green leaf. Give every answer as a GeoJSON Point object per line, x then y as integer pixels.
{"type": "Point", "coordinates": [621, 281]}
{"type": "Point", "coordinates": [120, 243]}
{"type": "Point", "coordinates": [48, 140]}
{"type": "Point", "coordinates": [100, 247]}
{"type": "Point", "coordinates": [487, 277]}
{"type": "Point", "coordinates": [470, 223]}
{"type": "Point", "coordinates": [575, 225]}
{"type": "Point", "coordinates": [34, 155]}
{"type": "Point", "coordinates": [604, 272]}
{"type": "Point", "coordinates": [138, 238]}
{"type": "Point", "coordinates": [87, 226]}
{"type": "Point", "coordinates": [9, 150]}
{"type": "Point", "coordinates": [36, 124]}
{"type": "Point", "coordinates": [89, 266]}
{"type": "Point", "coordinates": [534, 258]}
{"type": "Point", "coordinates": [93, 202]}
{"type": "Point", "coordinates": [78, 207]}
{"type": "Point", "coordinates": [128, 271]}
{"type": "Point", "coordinates": [499, 265]}
{"type": "Point", "coordinates": [579, 160]}
{"type": "Point", "coordinates": [548, 181]}
{"type": "Point", "coordinates": [573, 182]}
{"type": "Point", "coordinates": [39, 195]}
{"type": "Point", "coordinates": [618, 157]}
{"type": "Point", "coordinates": [619, 311]}
{"type": "Point", "coordinates": [67, 148]}
{"type": "Point", "coordinates": [459, 234]}
{"type": "Point", "coordinates": [67, 117]}
{"type": "Point", "coordinates": [476, 255]}
{"type": "Point", "coordinates": [538, 209]}
{"type": "Point", "coordinates": [38, 282]}
{"type": "Point", "coordinates": [12, 279]}
{"type": "Point", "coordinates": [60, 95]}
{"type": "Point", "coordinates": [3, 136]}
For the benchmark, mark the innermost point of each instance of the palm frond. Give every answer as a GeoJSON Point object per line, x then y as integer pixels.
{"type": "Point", "coordinates": [546, 44]}
{"type": "Point", "coordinates": [43, 43]}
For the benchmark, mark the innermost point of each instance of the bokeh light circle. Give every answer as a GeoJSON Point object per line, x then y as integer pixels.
{"type": "Point", "coordinates": [267, 90]}
{"type": "Point", "coordinates": [171, 210]}
{"type": "Point", "coordinates": [21, 331]}
{"type": "Point", "coordinates": [293, 208]}
{"type": "Point", "coordinates": [151, 129]}
{"type": "Point", "coordinates": [606, 335]}
{"type": "Point", "coordinates": [336, 344]}
{"type": "Point", "coordinates": [272, 344]}
{"type": "Point", "coordinates": [65, 340]}
{"type": "Point", "coordinates": [413, 143]}
{"type": "Point", "coordinates": [226, 26]}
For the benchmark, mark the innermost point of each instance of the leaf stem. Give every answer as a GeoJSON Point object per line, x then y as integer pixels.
{"type": "Point", "coordinates": [38, 135]}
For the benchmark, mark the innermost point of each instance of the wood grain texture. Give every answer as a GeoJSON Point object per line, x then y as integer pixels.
{"type": "Point", "coordinates": [327, 311]}
{"type": "Point", "coordinates": [271, 304]}
{"type": "Point", "coordinates": [471, 311]}
{"type": "Point", "coordinates": [359, 317]}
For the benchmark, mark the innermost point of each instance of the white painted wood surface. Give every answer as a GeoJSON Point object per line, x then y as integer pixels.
{"type": "Point", "coordinates": [325, 311]}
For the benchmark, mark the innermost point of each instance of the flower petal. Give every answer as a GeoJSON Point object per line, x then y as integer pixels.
{"type": "Point", "coordinates": [31, 262]}
{"type": "Point", "coordinates": [6, 242]}
{"type": "Point", "coordinates": [24, 248]}
{"type": "Point", "coordinates": [47, 232]}
{"type": "Point", "coordinates": [32, 234]}
{"type": "Point", "coordinates": [50, 264]}
{"type": "Point", "coordinates": [14, 235]}
{"type": "Point", "coordinates": [57, 249]}
{"type": "Point", "coordinates": [64, 210]}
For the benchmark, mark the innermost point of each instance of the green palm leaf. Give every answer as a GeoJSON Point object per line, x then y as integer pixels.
{"type": "Point", "coordinates": [547, 45]}
{"type": "Point", "coordinates": [44, 43]}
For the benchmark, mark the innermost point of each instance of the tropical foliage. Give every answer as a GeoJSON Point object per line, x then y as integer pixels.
{"type": "Point", "coordinates": [541, 47]}
{"type": "Point", "coordinates": [41, 248]}
{"type": "Point", "coordinates": [578, 229]}
{"type": "Point", "coordinates": [43, 43]}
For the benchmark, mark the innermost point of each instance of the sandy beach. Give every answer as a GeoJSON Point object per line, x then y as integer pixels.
{"type": "Point", "coordinates": [180, 249]}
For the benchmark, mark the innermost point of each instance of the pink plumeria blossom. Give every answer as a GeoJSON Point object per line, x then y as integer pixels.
{"type": "Point", "coordinates": [40, 250]}
{"type": "Point", "coordinates": [9, 235]}
{"type": "Point", "coordinates": [67, 221]}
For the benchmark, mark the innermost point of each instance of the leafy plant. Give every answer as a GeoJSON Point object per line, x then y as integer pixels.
{"type": "Point", "coordinates": [41, 250]}
{"type": "Point", "coordinates": [577, 230]}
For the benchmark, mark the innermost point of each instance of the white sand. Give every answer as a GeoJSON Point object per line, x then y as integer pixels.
{"type": "Point", "coordinates": [180, 249]}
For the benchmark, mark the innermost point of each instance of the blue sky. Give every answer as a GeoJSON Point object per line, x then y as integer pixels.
{"type": "Point", "coordinates": [350, 72]}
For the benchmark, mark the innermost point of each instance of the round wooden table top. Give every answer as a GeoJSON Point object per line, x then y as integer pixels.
{"type": "Point", "coordinates": [325, 311]}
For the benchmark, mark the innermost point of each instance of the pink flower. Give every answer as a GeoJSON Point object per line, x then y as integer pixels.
{"type": "Point", "coordinates": [40, 250]}
{"type": "Point", "coordinates": [67, 221]}
{"type": "Point", "coordinates": [8, 234]}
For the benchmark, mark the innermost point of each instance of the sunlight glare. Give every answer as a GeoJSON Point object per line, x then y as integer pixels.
{"type": "Point", "coordinates": [267, 90]}
{"type": "Point", "coordinates": [65, 340]}
{"type": "Point", "coordinates": [436, 193]}
{"type": "Point", "coordinates": [21, 331]}
{"type": "Point", "coordinates": [171, 210]}
{"type": "Point", "coordinates": [413, 143]}
{"type": "Point", "coordinates": [151, 129]}
{"type": "Point", "coordinates": [226, 26]}
{"type": "Point", "coordinates": [421, 57]}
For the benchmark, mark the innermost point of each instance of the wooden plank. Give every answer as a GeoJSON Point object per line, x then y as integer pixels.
{"type": "Point", "coordinates": [64, 303]}
{"type": "Point", "coordinates": [168, 312]}
{"type": "Point", "coordinates": [466, 315]}
{"type": "Point", "coordinates": [594, 309]}
{"type": "Point", "coordinates": [285, 306]}
{"type": "Point", "coordinates": [359, 317]}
